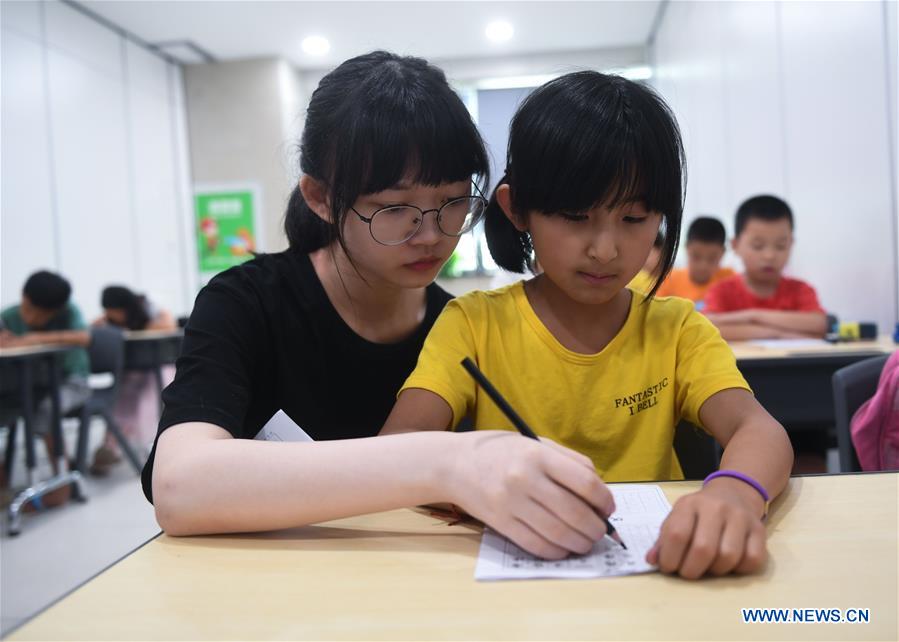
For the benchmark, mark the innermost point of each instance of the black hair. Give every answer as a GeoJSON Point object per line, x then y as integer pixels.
{"type": "Point", "coordinates": [135, 305]}
{"type": "Point", "coordinates": [764, 207]}
{"type": "Point", "coordinates": [706, 229]}
{"type": "Point", "coordinates": [659, 241]}
{"type": "Point", "coordinates": [47, 290]}
{"type": "Point", "coordinates": [372, 121]}
{"type": "Point", "coordinates": [586, 139]}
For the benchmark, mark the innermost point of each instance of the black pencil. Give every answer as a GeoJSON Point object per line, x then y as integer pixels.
{"type": "Point", "coordinates": [522, 427]}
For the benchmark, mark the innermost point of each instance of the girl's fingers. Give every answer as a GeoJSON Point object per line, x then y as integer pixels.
{"type": "Point", "coordinates": [652, 555]}
{"type": "Point", "coordinates": [568, 452]}
{"type": "Point", "coordinates": [732, 545]}
{"type": "Point", "coordinates": [675, 536]}
{"type": "Point", "coordinates": [569, 508]}
{"type": "Point", "coordinates": [525, 537]}
{"type": "Point", "coordinates": [553, 529]}
{"type": "Point", "coordinates": [580, 480]}
{"type": "Point", "coordinates": [704, 544]}
{"type": "Point", "coordinates": [755, 554]}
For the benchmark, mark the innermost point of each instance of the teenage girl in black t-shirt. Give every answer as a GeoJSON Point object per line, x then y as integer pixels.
{"type": "Point", "coordinates": [329, 330]}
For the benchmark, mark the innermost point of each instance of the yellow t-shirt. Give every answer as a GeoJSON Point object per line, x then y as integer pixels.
{"type": "Point", "coordinates": [619, 406]}
{"type": "Point", "coordinates": [642, 282]}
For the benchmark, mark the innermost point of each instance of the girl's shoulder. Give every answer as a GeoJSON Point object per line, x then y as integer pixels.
{"type": "Point", "coordinates": [665, 305]}
{"type": "Point", "coordinates": [480, 307]}
{"type": "Point", "coordinates": [664, 313]}
{"type": "Point", "coordinates": [266, 274]}
{"type": "Point", "coordinates": [497, 298]}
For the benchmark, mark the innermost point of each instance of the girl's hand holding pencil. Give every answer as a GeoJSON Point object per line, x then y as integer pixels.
{"type": "Point", "coordinates": [542, 496]}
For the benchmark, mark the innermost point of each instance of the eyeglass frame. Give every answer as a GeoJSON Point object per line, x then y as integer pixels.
{"type": "Point", "coordinates": [421, 222]}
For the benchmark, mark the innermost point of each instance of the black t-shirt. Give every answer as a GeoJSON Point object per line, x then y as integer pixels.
{"type": "Point", "coordinates": [264, 336]}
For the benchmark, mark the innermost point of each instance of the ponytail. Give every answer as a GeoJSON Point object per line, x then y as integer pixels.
{"type": "Point", "coordinates": [511, 250]}
{"type": "Point", "coordinates": [306, 231]}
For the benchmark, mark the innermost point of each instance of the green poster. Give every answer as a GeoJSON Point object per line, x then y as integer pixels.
{"type": "Point", "coordinates": [226, 230]}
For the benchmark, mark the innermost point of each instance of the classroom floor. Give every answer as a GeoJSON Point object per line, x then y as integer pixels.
{"type": "Point", "coordinates": [62, 547]}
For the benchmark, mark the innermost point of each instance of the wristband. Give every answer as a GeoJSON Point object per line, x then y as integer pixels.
{"type": "Point", "coordinates": [743, 477]}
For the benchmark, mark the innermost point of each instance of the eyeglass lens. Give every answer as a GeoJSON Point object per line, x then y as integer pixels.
{"type": "Point", "coordinates": [397, 224]}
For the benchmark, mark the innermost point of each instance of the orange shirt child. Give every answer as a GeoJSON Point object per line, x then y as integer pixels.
{"type": "Point", "coordinates": [680, 284]}
{"type": "Point", "coordinates": [705, 249]}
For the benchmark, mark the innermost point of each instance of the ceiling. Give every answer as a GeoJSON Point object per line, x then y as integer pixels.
{"type": "Point", "coordinates": [435, 30]}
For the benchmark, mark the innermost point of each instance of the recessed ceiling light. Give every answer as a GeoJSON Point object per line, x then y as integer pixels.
{"type": "Point", "coordinates": [499, 31]}
{"type": "Point", "coordinates": [316, 45]}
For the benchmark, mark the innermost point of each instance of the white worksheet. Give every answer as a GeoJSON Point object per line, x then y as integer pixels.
{"type": "Point", "coordinates": [640, 510]}
{"type": "Point", "coordinates": [282, 428]}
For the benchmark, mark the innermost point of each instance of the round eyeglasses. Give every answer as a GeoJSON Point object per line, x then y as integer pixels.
{"type": "Point", "coordinates": [397, 224]}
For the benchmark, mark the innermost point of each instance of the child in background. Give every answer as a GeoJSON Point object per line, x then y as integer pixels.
{"type": "Point", "coordinates": [132, 311]}
{"type": "Point", "coordinates": [47, 316]}
{"type": "Point", "coordinates": [594, 166]}
{"type": "Point", "coordinates": [705, 249]}
{"type": "Point", "coordinates": [649, 273]}
{"type": "Point", "coordinates": [762, 303]}
{"type": "Point", "coordinates": [137, 406]}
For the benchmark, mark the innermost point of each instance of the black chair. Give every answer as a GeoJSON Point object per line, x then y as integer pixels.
{"type": "Point", "coordinates": [853, 386]}
{"type": "Point", "coordinates": [107, 355]}
{"type": "Point", "coordinates": [697, 452]}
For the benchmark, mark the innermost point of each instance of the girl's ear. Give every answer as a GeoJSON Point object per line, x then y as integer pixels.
{"type": "Point", "coordinates": [504, 200]}
{"type": "Point", "coordinates": [316, 196]}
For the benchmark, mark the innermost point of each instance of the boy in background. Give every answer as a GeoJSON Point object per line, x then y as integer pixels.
{"type": "Point", "coordinates": [705, 249]}
{"type": "Point", "coordinates": [762, 303]}
{"type": "Point", "coordinates": [46, 316]}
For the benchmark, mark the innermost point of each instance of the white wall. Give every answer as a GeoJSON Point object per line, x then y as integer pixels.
{"type": "Point", "coordinates": [91, 187]}
{"type": "Point", "coordinates": [242, 128]}
{"type": "Point", "coordinates": [790, 98]}
{"type": "Point", "coordinates": [28, 226]}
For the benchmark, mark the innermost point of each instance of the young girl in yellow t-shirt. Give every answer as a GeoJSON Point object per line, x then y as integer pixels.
{"type": "Point", "coordinates": [594, 169]}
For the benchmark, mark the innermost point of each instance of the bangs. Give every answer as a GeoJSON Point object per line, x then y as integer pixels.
{"type": "Point", "coordinates": [397, 138]}
{"type": "Point", "coordinates": [603, 143]}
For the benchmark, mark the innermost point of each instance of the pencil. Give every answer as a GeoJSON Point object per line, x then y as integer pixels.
{"type": "Point", "coordinates": [522, 427]}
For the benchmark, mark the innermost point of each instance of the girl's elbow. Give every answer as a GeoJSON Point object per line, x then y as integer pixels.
{"type": "Point", "coordinates": [172, 506]}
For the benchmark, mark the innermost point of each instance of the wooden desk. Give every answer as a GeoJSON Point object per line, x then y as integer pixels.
{"type": "Point", "coordinates": [403, 575]}
{"type": "Point", "coordinates": [32, 365]}
{"type": "Point", "coordinates": [746, 351]}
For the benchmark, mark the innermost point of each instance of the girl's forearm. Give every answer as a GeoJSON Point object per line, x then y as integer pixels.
{"type": "Point", "coordinates": [761, 449]}
{"type": "Point", "coordinates": [233, 485]}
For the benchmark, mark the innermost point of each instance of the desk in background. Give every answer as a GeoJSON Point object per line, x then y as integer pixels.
{"type": "Point", "coordinates": [794, 385]}
{"type": "Point", "coordinates": [28, 370]}
{"type": "Point", "coordinates": [404, 575]}
{"type": "Point", "coordinates": [149, 350]}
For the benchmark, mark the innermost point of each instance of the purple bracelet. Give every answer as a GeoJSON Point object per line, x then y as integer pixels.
{"type": "Point", "coordinates": [743, 477]}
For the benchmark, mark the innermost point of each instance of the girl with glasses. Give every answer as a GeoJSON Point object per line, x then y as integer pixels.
{"type": "Point", "coordinates": [327, 331]}
{"type": "Point", "coordinates": [594, 171]}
